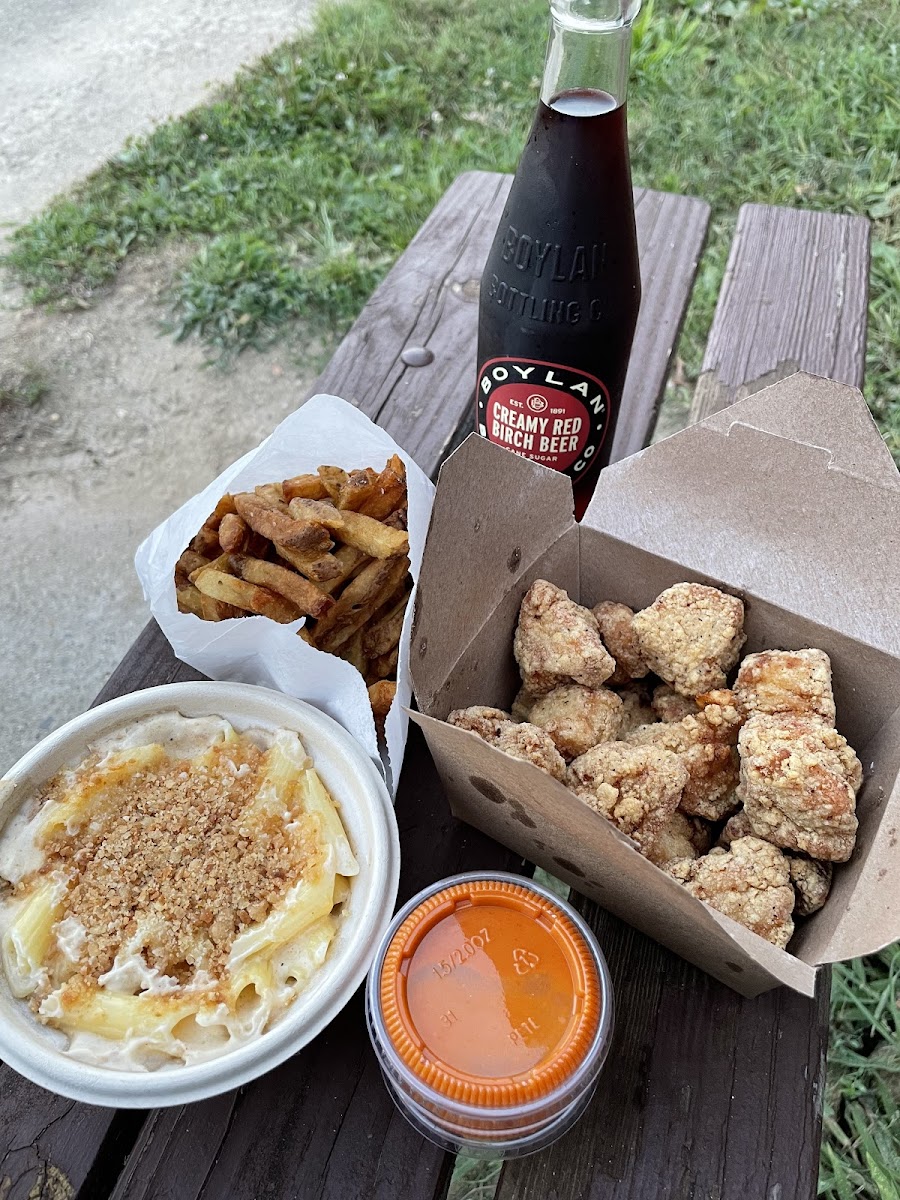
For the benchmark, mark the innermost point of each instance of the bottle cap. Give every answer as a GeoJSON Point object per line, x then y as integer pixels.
{"type": "Point", "coordinates": [490, 993]}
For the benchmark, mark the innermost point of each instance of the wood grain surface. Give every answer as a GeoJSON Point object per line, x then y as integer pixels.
{"type": "Point", "coordinates": [794, 297]}
{"type": "Point", "coordinates": [706, 1095]}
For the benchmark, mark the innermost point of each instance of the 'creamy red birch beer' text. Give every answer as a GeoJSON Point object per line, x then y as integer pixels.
{"type": "Point", "coordinates": [561, 289]}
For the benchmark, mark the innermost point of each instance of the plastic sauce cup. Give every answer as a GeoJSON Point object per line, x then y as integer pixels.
{"type": "Point", "coordinates": [490, 1008]}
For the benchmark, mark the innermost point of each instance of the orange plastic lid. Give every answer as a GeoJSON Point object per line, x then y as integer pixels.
{"type": "Point", "coordinates": [489, 993]}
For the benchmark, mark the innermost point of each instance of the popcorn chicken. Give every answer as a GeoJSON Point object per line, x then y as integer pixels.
{"type": "Point", "coordinates": [637, 788]}
{"type": "Point", "coordinates": [750, 883]}
{"type": "Point", "coordinates": [735, 827]}
{"type": "Point", "coordinates": [706, 745]}
{"type": "Point", "coordinates": [798, 784]}
{"type": "Point", "coordinates": [812, 883]}
{"type": "Point", "coordinates": [557, 641]}
{"type": "Point", "coordinates": [667, 705]}
{"type": "Point", "coordinates": [525, 741]}
{"type": "Point", "coordinates": [691, 636]}
{"type": "Point", "coordinates": [488, 723]}
{"type": "Point", "coordinates": [636, 708]}
{"type": "Point", "coordinates": [681, 837]}
{"type": "Point", "coordinates": [615, 624]}
{"type": "Point", "coordinates": [796, 681]}
{"type": "Point", "coordinates": [576, 717]}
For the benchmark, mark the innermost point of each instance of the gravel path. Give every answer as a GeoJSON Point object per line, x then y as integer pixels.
{"type": "Point", "coordinates": [131, 424]}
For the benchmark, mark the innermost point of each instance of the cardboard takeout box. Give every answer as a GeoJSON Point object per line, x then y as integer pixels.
{"type": "Point", "coordinates": [788, 498]}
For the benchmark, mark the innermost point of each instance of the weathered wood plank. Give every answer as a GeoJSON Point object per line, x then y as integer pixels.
{"type": "Point", "coordinates": [430, 299]}
{"type": "Point", "coordinates": [794, 297]}
{"type": "Point", "coordinates": [705, 1096]}
{"type": "Point", "coordinates": [671, 234]}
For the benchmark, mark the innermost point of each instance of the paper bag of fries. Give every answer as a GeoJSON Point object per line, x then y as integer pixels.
{"type": "Point", "coordinates": [296, 568]}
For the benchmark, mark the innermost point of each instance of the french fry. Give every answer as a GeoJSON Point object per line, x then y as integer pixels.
{"type": "Point", "coordinates": [218, 564]}
{"type": "Point", "coordinates": [279, 527]}
{"type": "Point", "coordinates": [206, 542]}
{"type": "Point", "coordinates": [381, 697]}
{"type": "Point", "coordinates": [334, 479]}
{"type": "Point", "coordinates": [320, 567]}
{"type": "Point", "coordinates": [222, 509]}
{"type": "Point", "coordinates": [352, 652]}
{"type": "Point", "coordinates": [189, 600]}
{"type": "Point", "coordinates": [359, 599]}
{"type": "Point", "coordinates": [191, 561]}
{"type": "Point", "coordinates": [365, 533]}
{"type": "Point", "coordinates": [308, 599]}
{"type": "Point", "coordinates": [234, 534]}
{"type": "Point", "coordinates": [216, 610]}
{"type": "Point", "coordinates": [390, 491]}
{"type": "Point", "coordinates": [304, 633]}
{"type": "Point", "coordinates": [360, 487]}
{"type": "Point", "coordinates": [350, 561]}
{"type": "Point", "coordinates": [309, 487]}
{"type": "Point", "coordinates": [383, 666]}
{"type": "Point", "coordinates": [384, 634]}
{"type": "Point", "coordinates": [245, 595]}
{"type": "Point", "coordinates": [272, 494]}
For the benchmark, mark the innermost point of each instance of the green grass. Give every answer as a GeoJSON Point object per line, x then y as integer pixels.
{"type": "Point", "coordinates": [301, 183]}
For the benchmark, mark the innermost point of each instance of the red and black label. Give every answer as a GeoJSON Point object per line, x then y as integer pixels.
{"type": "Point", "coordinates": [549, 413]}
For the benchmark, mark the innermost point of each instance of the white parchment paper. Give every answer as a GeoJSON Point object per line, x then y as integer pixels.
{"type": "Point", "coordinates": [326, 430]}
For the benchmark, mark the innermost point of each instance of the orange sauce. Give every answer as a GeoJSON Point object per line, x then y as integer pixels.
{"type": "Point", "coordinates": [489, 993]}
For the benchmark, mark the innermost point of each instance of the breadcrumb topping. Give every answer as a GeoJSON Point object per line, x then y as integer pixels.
{"type": "Point", "coordinates": [173, 864]}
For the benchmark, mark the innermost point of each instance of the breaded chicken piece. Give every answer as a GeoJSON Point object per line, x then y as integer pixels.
{"type": "Point", "coordinates": [681, 837]}
{"type": "Point", "coordinates": [669, 706]}
{"type": "Point", "coordinates": [750, 883]}
{"type": "Point", "coordinates": [706, 744]}
{"type": "Point", "coordinates": [797, 681]}
{"type": "Point", "coordinates": [798, 784]}
{"type": "Point", "coordinates": [637, 788]}
{"type": "Point", "coordinates": [488, 723]}
{"type": "Point", "coordinates": [636, 708]}
{"type": "Point", "coordinates": [691, 636]}
{"type": "Point", "coordinates": [615, 624]}
{"type": "Point", "coordinates": [535, 745]}
{"type": "Point", "coordinates": [812, 883]}
{"type": "Point", "coordinates": [735, 827]}
{"type": "Point", "coordinates": [557, 641]}
{"type": "Point", "coordinates": [576, 717]}
{"type": "Point", "coordinates": [811, 878]}
{"type": "Point", "coordinates": [524, 741]}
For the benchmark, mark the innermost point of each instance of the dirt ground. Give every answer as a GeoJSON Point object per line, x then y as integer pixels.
{"type": "Point", "coordinates": [130, 426]}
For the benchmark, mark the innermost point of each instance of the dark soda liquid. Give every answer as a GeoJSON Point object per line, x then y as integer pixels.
{"type": "Point", "coordinates": [562, 288]}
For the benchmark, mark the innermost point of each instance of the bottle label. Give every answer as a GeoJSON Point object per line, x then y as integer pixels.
{"type": "Point", "coordinates": [547, 412]}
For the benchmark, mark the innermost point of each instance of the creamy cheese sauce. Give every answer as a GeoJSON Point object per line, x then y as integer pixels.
{"type": "Point", "coordinates": [211, 1027]}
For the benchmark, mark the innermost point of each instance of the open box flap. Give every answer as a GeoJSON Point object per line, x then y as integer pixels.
{"type": "Point", "coordinates": [520, 806]}
{"type": "Point", "coordinates": [491, 507]}
{"type": "Point", "coordinates": [744, 495]}
{"type": "Point", "coordinates": [862, 915]}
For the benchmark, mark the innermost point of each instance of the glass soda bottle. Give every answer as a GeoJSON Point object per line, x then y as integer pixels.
{"type": "Point", "coordinates": [561, 289]}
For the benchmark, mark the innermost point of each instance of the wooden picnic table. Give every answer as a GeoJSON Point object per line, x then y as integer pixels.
{"type": "Point", "coordinates": [707, 1096]}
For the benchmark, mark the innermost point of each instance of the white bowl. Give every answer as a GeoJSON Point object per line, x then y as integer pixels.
{"type": "Point", "coordinates": [368, 816]}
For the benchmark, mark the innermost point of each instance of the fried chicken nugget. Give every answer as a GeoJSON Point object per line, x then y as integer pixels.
{"type": "Point", "coordinates": [557, 641]}
{"type": "Point", "coordinates": [668, 705]}
{"type": "Point", "coordinates": [691, 636]}
{"type": "Point", "coordinates": [798, 784]}
{"type": "Point", "coordinates": [750, 883]}
{"type": "Point", "coordinates": [525, 741]}
{"type": "Point", "coordinates": [812, 883]}
{"type": "Point", "coordinates": [615, 624]}
{"type": "Point", "coordinates": [637, 788]}
{"type": "Point", "coordinates": [796, 681]}
{"type": "Point", "coordinates": [636, 708]}
{"type": "Point", "coordinates": [706, 744]}
{"type": "Point", "coordinates": [576, 717]}
{"type": "Point", "coordinates": [681, 837]}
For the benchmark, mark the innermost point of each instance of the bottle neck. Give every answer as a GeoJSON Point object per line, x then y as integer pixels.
{"type": "Point", "coordinates": [586, 55]}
